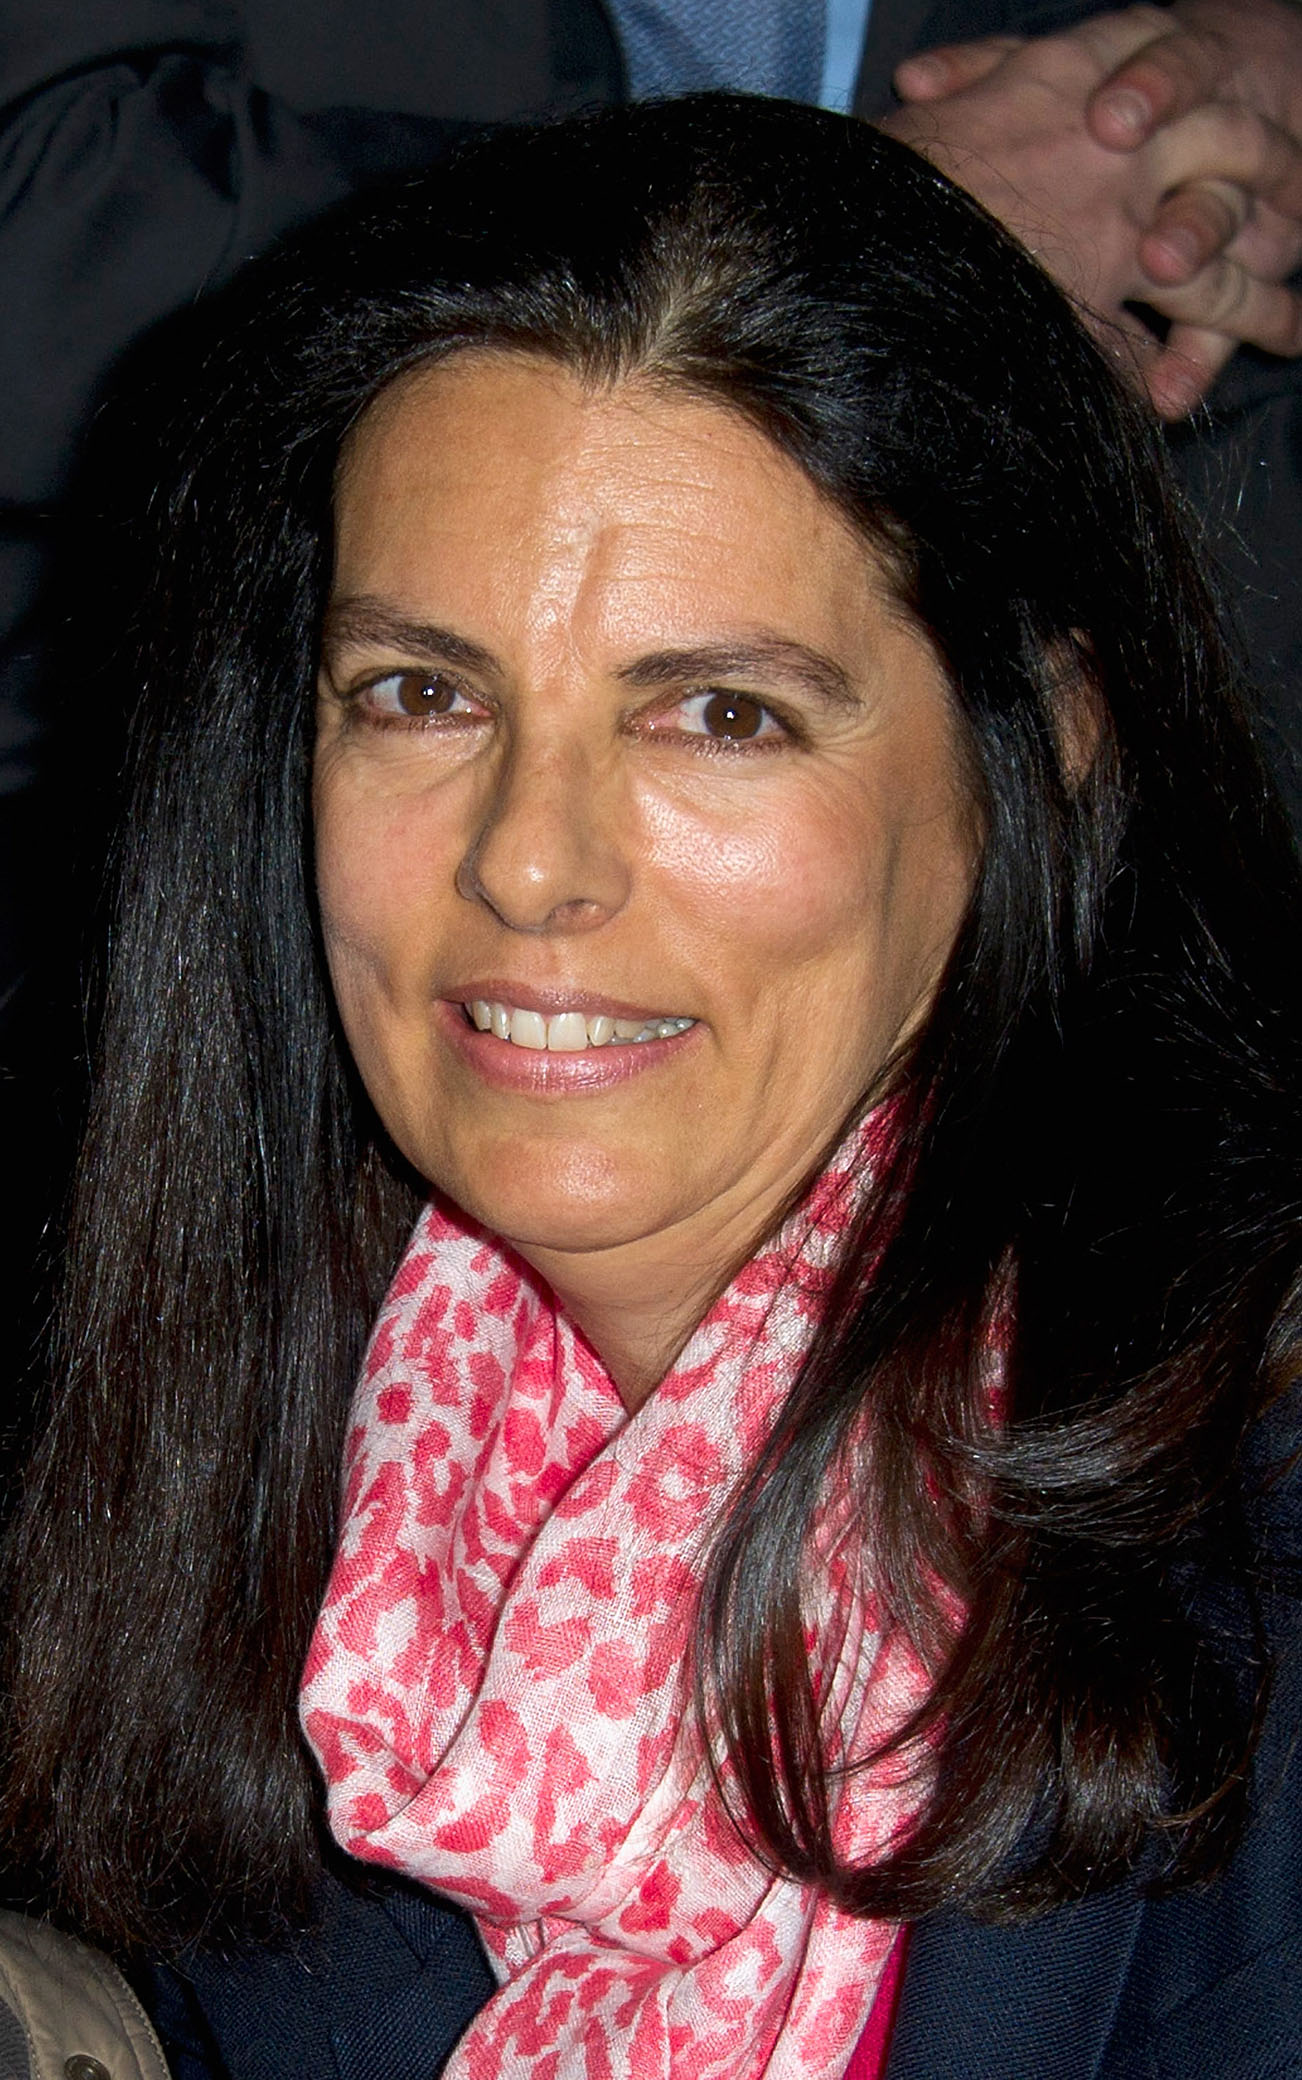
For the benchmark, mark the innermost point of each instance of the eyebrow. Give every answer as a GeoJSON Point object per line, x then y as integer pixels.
{"type": "Point", "coordinates": [353, 623]}
{"type": "Point", "coordinates": [365, 619]}
{"type": "Point", "coordinates": [763, 657]}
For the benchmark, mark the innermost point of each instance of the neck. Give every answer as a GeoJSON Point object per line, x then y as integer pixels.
{"type": "Point", "coordinates": [638, 1302]}
{"type": "Point", "coordinates": [637, 1317]}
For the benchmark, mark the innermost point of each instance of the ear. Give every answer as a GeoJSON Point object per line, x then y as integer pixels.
{"type": "Point", "coordinates": [1079, 710]}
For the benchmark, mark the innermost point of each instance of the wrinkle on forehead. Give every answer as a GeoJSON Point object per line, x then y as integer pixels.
{"type": "Point", "coordinates": [603, 500]}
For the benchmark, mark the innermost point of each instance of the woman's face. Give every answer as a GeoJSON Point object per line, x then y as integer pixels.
{"type": "Point", "coordinates": [620, 734]}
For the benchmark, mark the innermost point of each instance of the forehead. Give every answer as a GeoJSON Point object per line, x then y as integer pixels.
{"type": "Point", "coordinates": [508, 477]}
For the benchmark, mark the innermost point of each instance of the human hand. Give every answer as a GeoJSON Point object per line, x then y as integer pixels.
{"type": "Point", "coordinates": [1243, 51]}
{"type": "Point", "coordinates": [1239, 52]}
{"type": "Point", "coordinates": [1207, 218]}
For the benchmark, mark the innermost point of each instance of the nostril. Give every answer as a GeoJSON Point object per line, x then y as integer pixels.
{"type": "Point", "coordinates": [565, 881]}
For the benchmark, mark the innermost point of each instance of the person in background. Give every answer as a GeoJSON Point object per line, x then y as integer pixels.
{"type": "Point", "coordinates": [1019, 120]}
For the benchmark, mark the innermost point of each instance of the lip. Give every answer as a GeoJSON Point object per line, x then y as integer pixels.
{"type": "Point", "coordinates": [536, 1072]}
{"type": "Point", "coordinates": [493, 989]}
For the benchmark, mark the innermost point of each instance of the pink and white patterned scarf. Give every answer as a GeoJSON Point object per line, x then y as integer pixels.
{"type": "Point", "coordinates": [496, 1690]}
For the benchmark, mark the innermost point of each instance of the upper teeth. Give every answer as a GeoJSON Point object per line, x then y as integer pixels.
{"type": "Point", "coordinates": [568, 1031]}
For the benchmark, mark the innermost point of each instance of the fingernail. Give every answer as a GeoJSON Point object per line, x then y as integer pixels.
{"type": "Point", "coordinates": [1175, 397]}
{"type": "Point", "coordinates": [1181, 246]}
{"type": "Point", "coordinates": [1127, 109]}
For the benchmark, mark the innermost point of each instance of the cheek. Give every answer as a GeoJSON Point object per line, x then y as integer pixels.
{"type": "Point", "coordinates": [373, 924]}
{"type": "Point", "coordinates": [793, 883]}
{"type": "Point", "coordinates": [374, 879]}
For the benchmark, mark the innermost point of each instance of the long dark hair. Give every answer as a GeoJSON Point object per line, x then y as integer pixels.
{"type": "Point", "coordinates": [1098, 1133]}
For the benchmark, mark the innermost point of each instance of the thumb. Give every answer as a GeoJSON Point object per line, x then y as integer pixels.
{"type": "Point", "coordinates": [934, 75]}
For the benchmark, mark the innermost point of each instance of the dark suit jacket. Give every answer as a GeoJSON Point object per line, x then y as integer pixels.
{"type": "Point", "coordinates": [148, 147]}
{"type": "Point", "coordinates": [1203, 1985]}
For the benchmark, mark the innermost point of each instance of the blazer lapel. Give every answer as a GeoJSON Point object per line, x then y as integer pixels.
{"type": "Point", "coordinates": [1029, 2003]}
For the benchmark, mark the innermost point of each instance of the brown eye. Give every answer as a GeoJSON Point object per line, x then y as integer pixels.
{"type": "Point", "coordinates": [732, 715]}
{"type": "Point", "coordinates": [416, 696]}
{"type": "Point", "coordinates": [727, 718]}
{"type": "Point", "coordinates": [420, 696]}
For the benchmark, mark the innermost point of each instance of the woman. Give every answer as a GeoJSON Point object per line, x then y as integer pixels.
{"type": "Point", "coordinates": [788, 870]}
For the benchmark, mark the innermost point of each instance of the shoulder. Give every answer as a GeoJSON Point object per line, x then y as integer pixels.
{"type": "Point", "coordinates": [1192, 1986]}
{"type": "Point", "coordinates": [459, 60]}
{"type": "Point", "coordinates": [1214, 1983]}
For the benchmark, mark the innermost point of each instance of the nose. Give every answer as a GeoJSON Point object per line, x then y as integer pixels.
{"type": "Point", "coordinates": [549, 853]}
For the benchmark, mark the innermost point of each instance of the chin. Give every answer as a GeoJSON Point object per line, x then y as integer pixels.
{"type": "Point", "coordinates": [545, 1198]}
{"type": "Point", "coordinates": [558, 1225]}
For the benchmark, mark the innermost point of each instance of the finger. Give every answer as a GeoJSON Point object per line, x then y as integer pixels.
{"type": "Point", "coordinates": [1266, 244]}
{"type": "Point", "coordinates": [1269, 244]}
{"type": "Point", "coordinates": [1176, 72]}
{"type": "Point", "coordinates": [1192, 226]}
{"type": "Point", "coordinates": [1229, 143]}
{"type": "Point", "coordinates": [1179, 375]}
{"type": "Point", "coordinates": [1225, 298]}
{"type": "Point", "coordinates": [934, 75]}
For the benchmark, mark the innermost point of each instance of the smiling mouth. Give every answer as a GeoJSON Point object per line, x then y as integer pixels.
{"type": "Point", "coordinates": [568, 1032]}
